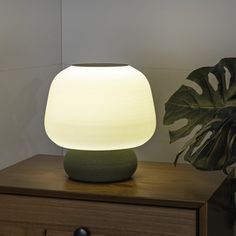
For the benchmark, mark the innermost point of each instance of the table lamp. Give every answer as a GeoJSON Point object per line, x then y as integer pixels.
{"type": "Point", "coordinates": [99, 112]}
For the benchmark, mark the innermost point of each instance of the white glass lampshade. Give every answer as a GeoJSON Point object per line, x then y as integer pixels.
{"type": "Point", "coordinates": [100, 107]}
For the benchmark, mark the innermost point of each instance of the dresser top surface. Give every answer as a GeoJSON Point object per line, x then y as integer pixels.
{"type": "Point", "coordinates": [154, 183]}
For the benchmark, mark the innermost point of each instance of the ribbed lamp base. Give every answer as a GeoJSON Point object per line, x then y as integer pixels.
{"type": "Point", "coordinates": [100, 166]}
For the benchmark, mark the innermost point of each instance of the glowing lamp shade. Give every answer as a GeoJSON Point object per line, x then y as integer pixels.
{"type": "Point", "coordinates": [100, 107]}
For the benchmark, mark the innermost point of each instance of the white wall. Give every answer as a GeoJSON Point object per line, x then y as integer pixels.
{"type": "Point", "coordinates": [165, 39]}
{"type": "Point", "coordinates": [30, 56]}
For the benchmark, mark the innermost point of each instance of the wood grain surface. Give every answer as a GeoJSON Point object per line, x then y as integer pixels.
{"type": "Point", "coordinates": [100, 218]}
{"type": "Point", "coordinates": [11, 230]}
{"type": "Point", "coordinates": [38, 199]}
{"type": "Point", "coordinates": [159, 184]}
{"type": "Point", "coordinates": [16, 229]}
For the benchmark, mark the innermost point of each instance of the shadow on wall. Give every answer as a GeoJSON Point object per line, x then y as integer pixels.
{"type": "Point", "coordinates": [164, 83]}
{"type": "Point", "coordinates": [22, 104]}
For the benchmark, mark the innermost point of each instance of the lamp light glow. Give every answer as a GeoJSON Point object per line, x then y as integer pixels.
{"type": "Point", "coordinates": [101, 108]}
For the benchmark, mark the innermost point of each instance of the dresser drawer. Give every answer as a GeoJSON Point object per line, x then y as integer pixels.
{"type": "Point", "coordinates": [11, 230]}
{"type": "Point", "coordinates": [101, 219]}
{"type": "Point", "coordinates": [70, 233]}
{"type": "Point", "coordinates": [14, 229]}
{"type": "Point", "coordinates": [58, 233]}
{"type": "Point", "coordinates": [111, 232]}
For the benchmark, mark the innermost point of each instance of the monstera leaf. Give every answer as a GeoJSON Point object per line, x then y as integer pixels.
{"type": "Point", "coordinates": [213, 146]}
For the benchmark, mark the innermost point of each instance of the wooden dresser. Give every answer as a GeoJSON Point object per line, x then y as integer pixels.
{"type": "Point", "coordinates": [37, 199]}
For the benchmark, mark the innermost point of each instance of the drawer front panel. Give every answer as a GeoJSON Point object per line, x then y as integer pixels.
{"type": "Point", "coordinates": [13, 229]}
{"type": "Point", "coordinates": [50, 232]}
{"type": "Point", "coordinates": [102, 219]}
{"type": "Point", "coordinates": [103, 232]}
{"type": "Point", "coordinates": [58, 233]}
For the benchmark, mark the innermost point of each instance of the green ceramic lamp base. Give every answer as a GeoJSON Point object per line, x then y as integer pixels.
{"type": "Point", "coordinates": [100, 166]}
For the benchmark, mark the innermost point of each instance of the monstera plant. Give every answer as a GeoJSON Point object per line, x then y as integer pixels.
{"type": "Point", "coordinates": [213, 146]}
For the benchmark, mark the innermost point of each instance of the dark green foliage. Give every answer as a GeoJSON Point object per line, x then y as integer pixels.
{"type": "Point", "coordinates": [213, 147]}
